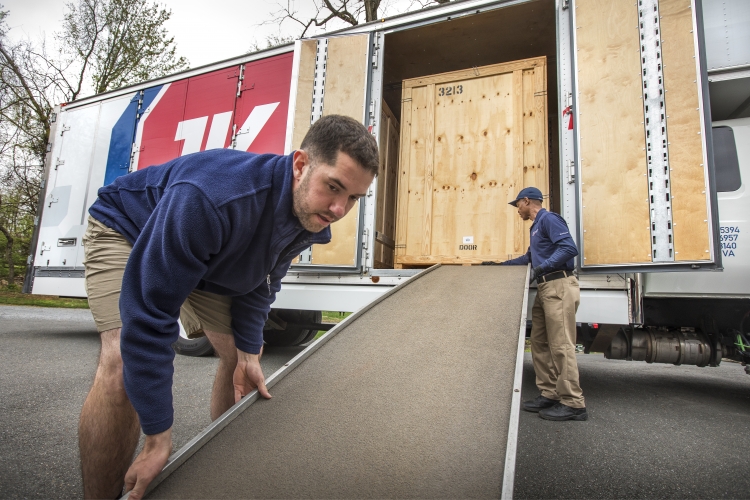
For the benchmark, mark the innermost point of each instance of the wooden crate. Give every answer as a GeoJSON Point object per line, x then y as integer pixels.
{"type": "Point", "coordinates": [470, 140]}
{"type": "Point", "coordinates": [385, 221]}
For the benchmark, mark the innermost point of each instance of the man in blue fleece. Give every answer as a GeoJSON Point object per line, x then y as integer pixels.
{"type": "Point", "coordinates": [205, 238]}
{"type": "Point", "coordinates": [553, 317]}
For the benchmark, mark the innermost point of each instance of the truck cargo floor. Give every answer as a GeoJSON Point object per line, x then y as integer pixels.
{"type": "Point", "coordinates": [412, 398]}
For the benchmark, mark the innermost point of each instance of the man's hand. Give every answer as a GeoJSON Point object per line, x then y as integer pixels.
{"type": "Point", "coordinates": [148, 464]}
{"type": "Point", "coordinates": [248, 376]}
{"type": "Point", "coordinates": [535, 273]}
{"type": "Point", "coordinates": [494, 263]}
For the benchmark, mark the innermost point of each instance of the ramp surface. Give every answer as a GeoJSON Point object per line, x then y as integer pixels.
{"type": "Point", "coordinates": [410, 399]}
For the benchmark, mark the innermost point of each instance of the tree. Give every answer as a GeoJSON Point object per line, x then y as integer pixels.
{"type": "Point", "coordinates": [119, 41]}
{"type": "Point", "coordinates": [351, 12]}
{"type": "Point", "coordinates": [103, 45]}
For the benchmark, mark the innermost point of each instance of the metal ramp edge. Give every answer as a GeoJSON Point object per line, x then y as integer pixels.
{"type": "Point", "coordinates": [187, 451]}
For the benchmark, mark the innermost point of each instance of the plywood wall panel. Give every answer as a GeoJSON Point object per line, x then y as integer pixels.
{"type": "Point", "coordinates": [346, 75]}
{"type": "Point", "coordinates": [342, 249]}
{"type": "Point", "coordinates": [614, 190]}
{"type": "Point", "coordinates": [687, 174]}
{"type": "Point", "coordinates": [305, 80]}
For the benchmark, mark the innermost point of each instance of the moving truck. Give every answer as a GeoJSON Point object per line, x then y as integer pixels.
{"type": "Point", "coordinates": [630, 115]}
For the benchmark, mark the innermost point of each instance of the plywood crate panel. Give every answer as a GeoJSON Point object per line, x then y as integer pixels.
{"type": "Point", "coordinates": [470, 140]}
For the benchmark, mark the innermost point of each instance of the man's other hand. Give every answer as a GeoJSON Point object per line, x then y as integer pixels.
{"type": "Point", "coordinates": [248, 376]}
{"type": "Point", "coordinates": [148, 464]}
{"type": "Point", "coordinates": [535, 273]}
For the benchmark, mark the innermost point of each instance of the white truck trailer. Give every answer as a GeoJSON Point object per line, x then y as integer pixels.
{"type": "Point", "coordinates": [632, 115]}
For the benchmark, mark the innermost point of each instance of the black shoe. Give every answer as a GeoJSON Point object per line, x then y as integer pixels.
{"type": "Point", "coordinates": [564, 412]}
{"type": "Point", "coordinates": [539, 403]}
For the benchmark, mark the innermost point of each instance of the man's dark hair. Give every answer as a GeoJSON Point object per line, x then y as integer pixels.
{"type": "Point", "coordinates": [334, 133]}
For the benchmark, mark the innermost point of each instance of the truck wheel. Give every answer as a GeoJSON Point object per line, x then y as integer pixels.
{"type": "Point", "coordinates": [293, 336]}
{"type": "Point", "coordinates": [193, 347]}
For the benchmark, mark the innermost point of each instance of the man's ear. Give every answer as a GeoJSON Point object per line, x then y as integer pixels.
{"type": "Point", "coordinates": [300, 161]}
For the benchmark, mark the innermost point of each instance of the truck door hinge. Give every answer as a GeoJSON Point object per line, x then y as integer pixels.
{"type": "Point", "coordinates": [53, 118]}
{"type": "Point", "coordinates": [240, 79]}
{"type": "Point", "coordinates": [133, 151]}
{"type": "Point", "coordinates": [64, 129]}
{"type": "Point", "coordinates": [375, 49]}
{"type": "Point", "coordinates": [43, 184]}
{"type": "Point", "coordinates": [59, 162]}
{"type": "Point", "coordinates": [49, 147]}
{"type": "Point", "coordinates": [571, 171]}
{"type": "Point", "coordinates": [52, 200]}
{"type": "Point", "coordinates": [365, 238]}
{"type": "Point", "coordinates": [566, 4]}
{"type": "Point", "coordinates": [45, 248]}
{"type": "Point", "coordinates": [365, 253]}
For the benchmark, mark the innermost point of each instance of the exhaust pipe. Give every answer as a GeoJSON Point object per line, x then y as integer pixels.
{"type": "Point", "coordinates": [678, 348]}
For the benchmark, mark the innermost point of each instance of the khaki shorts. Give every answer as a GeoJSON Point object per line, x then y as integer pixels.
{"type": "Point", "coordinates": [106, 253]}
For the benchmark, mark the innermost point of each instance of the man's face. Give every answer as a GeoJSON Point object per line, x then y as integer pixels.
{"type": "Point", "coordinates": [524, 208]}
{"type": "Point", "coordinates": [324, 193]}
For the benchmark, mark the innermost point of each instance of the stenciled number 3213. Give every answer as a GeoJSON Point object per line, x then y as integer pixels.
{"type": "Point", "coordinates": [455, 90]}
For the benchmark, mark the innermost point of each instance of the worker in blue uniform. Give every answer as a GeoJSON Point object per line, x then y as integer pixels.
{"type": "Point", "coordinates": [204, 239]}
{"type": "Point", "coordinates": [553, 320]}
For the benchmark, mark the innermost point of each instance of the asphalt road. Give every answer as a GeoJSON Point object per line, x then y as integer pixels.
{"type": "Point", "coordinates": [47, 363]}
{"type": "Point", "coordinates": [654, 431]}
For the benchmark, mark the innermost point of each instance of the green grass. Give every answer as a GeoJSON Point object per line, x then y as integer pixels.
{"type": "Point", "coordinates": [332, 317]}
{"type": "Point", "coordinates": [15, 298]}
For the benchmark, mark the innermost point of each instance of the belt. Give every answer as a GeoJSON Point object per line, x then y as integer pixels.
{"type": "Point", "coordinates": [556, 275]}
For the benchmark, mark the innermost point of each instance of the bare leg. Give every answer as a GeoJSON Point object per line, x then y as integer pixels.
{"type": "Point", "coordinates": [108, 431]}
{"type": "Point", "coordinates": [222, 396]}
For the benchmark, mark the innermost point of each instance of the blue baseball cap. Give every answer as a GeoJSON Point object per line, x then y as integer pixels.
{"type": "Point", "coordinates": [531, 193]}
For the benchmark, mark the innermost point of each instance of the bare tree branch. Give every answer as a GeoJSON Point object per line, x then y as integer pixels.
{"type": "Point", "coordinates": [351, 12]}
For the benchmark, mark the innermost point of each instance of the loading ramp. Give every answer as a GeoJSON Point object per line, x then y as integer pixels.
{"type": "Point", "coordinates": [416, 395]}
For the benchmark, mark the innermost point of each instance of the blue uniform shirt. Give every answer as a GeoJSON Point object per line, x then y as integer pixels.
{"type": "Point", "coordinates": [552, 248]}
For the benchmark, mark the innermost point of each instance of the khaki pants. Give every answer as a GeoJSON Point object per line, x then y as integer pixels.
{"type": "Point", "coordinates": [553, 336]}
{"type": "Point", "coordinates": [106, 254]}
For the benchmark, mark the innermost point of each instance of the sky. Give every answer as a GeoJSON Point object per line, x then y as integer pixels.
{"type": "Point", "coordinates": [205, 31]}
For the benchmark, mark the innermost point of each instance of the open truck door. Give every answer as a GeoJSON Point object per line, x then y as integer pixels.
{"type": "Point", "coordinates": [331, 76]}
{"type": "Point", "coordinates": [641, 130]}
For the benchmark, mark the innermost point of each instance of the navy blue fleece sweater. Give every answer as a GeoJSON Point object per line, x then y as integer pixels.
{"type": "Point", "coordinates": [219, 221]}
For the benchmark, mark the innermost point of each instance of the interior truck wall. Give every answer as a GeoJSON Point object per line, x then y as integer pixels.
{"type": "Point", "coordinates": [385, 211]}
{"type": "Point", "coordinates": [618, 154]}
{"type": "Point", "coordinates": [523, 31]}
{"type": "Point", "coordinates": [470, 140]}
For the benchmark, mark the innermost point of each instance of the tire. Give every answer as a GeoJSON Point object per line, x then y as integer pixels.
{"type": "Point", "coordinates": [193, 347]}
{"type": "Point", "coordinates": [293, 336]}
